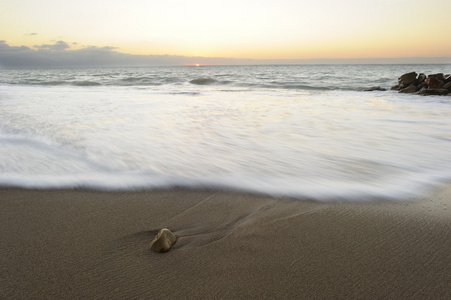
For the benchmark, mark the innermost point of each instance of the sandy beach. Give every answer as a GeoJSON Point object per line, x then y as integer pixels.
{"type": "Point", "coordinates": [78, 244]}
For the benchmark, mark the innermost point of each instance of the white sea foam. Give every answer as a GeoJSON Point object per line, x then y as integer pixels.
{"type": "Point", "coordinates": [288, 131]}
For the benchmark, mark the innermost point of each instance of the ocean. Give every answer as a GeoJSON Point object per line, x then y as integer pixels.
{"type": "Point", "coordinates": [303, 131]}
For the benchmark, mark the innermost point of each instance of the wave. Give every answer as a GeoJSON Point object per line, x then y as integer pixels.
{"type": "Point", "coordinates": [306, 87]}
{"type": "Point", "coordinates": [203, 81]}
{"type": "Point", "coordinates": [171, 80]}
{"type": "Point", "coordinates": [186, 93]}
{"type": "Point", "coordinates": [291, 86]}
{"type": "Point", "coordinates": [57, 166]}
{"type": "Point", "coordinates": [325, 190]}
{"type": "Point", "coordinates": [47, 83]}
{"type": "Point", "coordinates": [143, 82]}
{"type": "Point", "coordinates": [85, 83]}
{"type": "Point", "coordinates": [136, 81]}
{"type": "Point", "coordinates": [57, 83]}
{"type": "Point", "coordinates": [302, 78]}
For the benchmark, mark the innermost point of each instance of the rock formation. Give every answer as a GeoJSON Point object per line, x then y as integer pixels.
{"type": "Point", "coordinates": [374, 88]}
{"type": "Point", "coordinates": [163, 241]}
{"type": "Point", "coordinates": [433, 84]}
{"type": "Point", "coordinates": [407, 79]}
{"type": "Point", "coordinates": [409, 89]}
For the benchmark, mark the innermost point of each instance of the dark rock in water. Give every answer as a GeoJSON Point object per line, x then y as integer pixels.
{"type": "Point", "coordinates": [421, 85]}
{"type": "Point", "coordinates": [434, 82]}
{"type": "Point", "coordinates": [409, 89]}
{"type": "Point", "coordinates": [439, 76]}
{"type": "Point", "coordinates": [163, 241]}
{"type": "Point", "coordinates": [407, 78]}
{"type": "Point", "coordinates": [374, 88]}
{"type": "Point", "coordinates": [438, 92]}
{"type": "Point", "coordinates": [447, 86]}
{"type": "Point", "coordinates": [421, 91]}
{"type": "Point", "coordinates": [421, 78]}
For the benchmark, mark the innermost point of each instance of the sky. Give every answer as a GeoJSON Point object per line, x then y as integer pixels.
{"type": "Point", "coordinates": [223, 31]}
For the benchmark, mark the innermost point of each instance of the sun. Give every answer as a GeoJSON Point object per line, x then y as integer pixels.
{"type": "Point", "coordinates": [195, 65]}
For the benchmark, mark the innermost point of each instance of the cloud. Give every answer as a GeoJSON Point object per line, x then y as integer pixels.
{"type": "Point", "coordinates": [59, 55]}
{"type": "Point", "coordinates": [31, 34]}
{"type": "Point", "coordinates": [58, 46]}
{"type": "Point", "coordinates": [4, 47]}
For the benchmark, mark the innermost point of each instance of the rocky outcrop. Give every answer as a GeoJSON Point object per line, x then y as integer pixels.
{"type": "Point", "coordinates": [407, 79]}
{"type": "Point", "coordinates": [421, 78]}
{"type": "Point", "coordinates": [433, 84]}
{"type": "Point", "coordinates": [163, 241]}
{"type": "Point", "coordinates": [374, 88]}
{"type": "Point", "coordinates": [408, 90]}
{"type": "Point", "coordinates": [437, 92]}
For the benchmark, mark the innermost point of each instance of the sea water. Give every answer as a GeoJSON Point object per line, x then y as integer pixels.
{"type": "Point", "coordinates": [307, 131]}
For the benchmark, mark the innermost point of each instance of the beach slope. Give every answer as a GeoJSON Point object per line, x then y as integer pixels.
{"type": "Point", "coordinates": [66, 244]}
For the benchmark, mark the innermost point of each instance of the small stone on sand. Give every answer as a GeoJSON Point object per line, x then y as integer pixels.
{"type": "Point", "coordinates": [163, 241]}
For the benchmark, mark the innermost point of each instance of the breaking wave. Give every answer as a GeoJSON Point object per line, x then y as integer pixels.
{"type": "Point", "coordinates": [203, 81]}
{"type": "Point", "coordinates": [301, 131]}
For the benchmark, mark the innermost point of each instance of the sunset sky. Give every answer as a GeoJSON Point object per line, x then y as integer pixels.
{"type": "Point", "coordinates": [257, 29]}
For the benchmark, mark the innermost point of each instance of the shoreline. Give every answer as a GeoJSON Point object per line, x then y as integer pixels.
{"type": "Point", "coordinates": [90, 244]}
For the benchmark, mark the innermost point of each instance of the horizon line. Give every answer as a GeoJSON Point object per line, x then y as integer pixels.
{"type": "Point", "coordinates": [56, 56]}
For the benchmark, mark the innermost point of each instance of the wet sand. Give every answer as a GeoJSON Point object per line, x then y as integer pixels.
{"type": "Point", "coordinates": [73, 244]}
